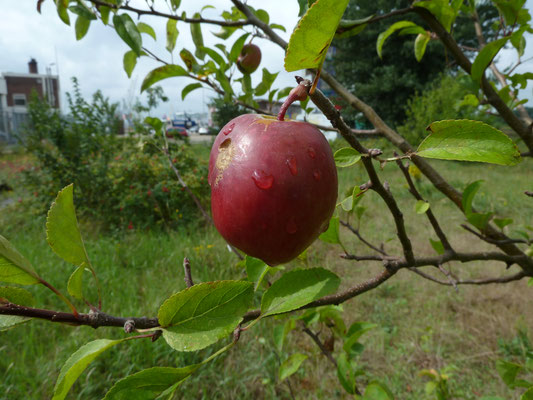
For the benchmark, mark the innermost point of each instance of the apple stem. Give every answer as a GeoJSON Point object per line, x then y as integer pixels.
{"type": "Point", "coordinates": [298, 93]}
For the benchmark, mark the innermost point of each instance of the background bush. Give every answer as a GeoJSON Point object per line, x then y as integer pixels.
{"type": "Point", "coordinates": [119, 183]}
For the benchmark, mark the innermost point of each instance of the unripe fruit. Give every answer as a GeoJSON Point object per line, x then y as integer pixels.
{"type": "Point", "coordinates": [273, 186]}
{"type": "Point", "coordinates": [249, 59]}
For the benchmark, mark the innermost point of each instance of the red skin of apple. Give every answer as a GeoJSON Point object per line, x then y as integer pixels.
{"type": "Point", "coordinates": [249, 59]}
{"type": "Point", "coordinates": [273, 186]}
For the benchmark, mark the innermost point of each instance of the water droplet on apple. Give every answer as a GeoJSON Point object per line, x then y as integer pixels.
{"type": "Point", "coordinates": [228, 130]}
{"type": "Point", "coordinates": [317, 175]}
{"type": "Point", "coordinates": [262, 180]}
{"type": "Point", "coordinates": [291, 163]}
{"type": "Point", "coordinates": [291, 226]}
{"type": "Point", "coordinates": [311, 152]}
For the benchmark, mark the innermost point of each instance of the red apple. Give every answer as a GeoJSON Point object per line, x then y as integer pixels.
{"type": "Point", "coordinates": [273, 186]}
{"type": "Point", "coordinates": [249, 59]}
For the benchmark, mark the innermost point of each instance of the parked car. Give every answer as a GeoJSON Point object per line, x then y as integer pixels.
{"type": "Point", "coordinates": [175, 131]}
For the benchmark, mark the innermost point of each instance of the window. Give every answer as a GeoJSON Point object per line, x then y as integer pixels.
{"type": "Point", "coordinates": [19, 100]}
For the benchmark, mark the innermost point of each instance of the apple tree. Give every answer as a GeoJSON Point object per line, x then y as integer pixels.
{"type": "Point", "coordinates": [207, 313]}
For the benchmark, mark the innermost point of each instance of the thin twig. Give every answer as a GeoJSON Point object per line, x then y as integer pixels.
{"type": "Point", "coordinates": [493, 241]}
{"type": "Point", "coordinates": [363, 240]}
{"type": "Point", "coordinates": [429, 213]}
{"type": "Point", "coordinates": [320, 345]}
{"type": "Point", "coordinates": [188, 276]}
{"type": "Point", "coordinates": [485, 281]}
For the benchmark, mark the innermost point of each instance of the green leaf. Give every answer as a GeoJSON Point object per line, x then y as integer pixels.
{"type": "Point", "coordinates": [256, 270]}
{"type": "Point", "coordinates": [62, 231]}
{"type": "Point", "coordinates": [130, 60]}
{"type": "Point", "coordinates": [421, 207]}
{"type": "Point", "coordinates": [390, 30]}
{"type": "Point", "coordinates": [377, 391]}
{"type": "Point", "coordinates": [237, 47]}
{"type": "Point", "coordinates": [215, 56]}
{"type": "Point", "coordinates": [479, 220]}
{"type": "Point", "coordinates": [225, 32]}
{"type": "Point", "coordinates": [197, 38]}
{"type": "Point", "coordinates": [149, 383]}
{"type": "Point", "coordinates": [62, 12]}
{"type": "Point", "coordinates": [9, 321]}
{"type": "Point", "coordinates": [530, 282]}
{"type": "Point", "coordinates": [104, 14]}
{"type": "Point", "coordinates": [281, 332]}
{"type": "Point", "coordinates": [175, 4]}
{"type": "Point", "coordinates": [189, 88]}
{"type": "Point", "coordinates": [442, 10]}
{"type": "Point", "coordinates": [528, 394]}
{"type": "Point", "coordinates": [467, 140]}
{"type": "Point", "coordinates": [355, 332]}
{"type": "Point", "coordinates": [278, 26]}
{"type": "Point", "coordinates": [312, 37]}
{"type": "Point", "coordinates": [468, 196]}
{"type": "Point", "coordinates": [420, 45]}
{"type": "Point", "coordinates": [503, 222]}
{"type": "Point", "coordinates": [262, 15]}
{"type": "Point", "coordinates": [77, 363]}
{"type": "Point", "coordinates": [224, 82]}
{"type": "Point", "coordinates": [75, 283]}
{"type": "Point", "coordinates": [485, 57]}
{"type": "Point", "coordinates": [347, 204]}
{"type": "Point", "coordinates": [128, 31]}
{"type": "Point", "coordinates": [202, 314]}
{"type": "Point", "coordinates": [81, 10]}
{"type": "Point", "coordinates": [346, 157]}
{"type": "Point", "coordinates": [345, 373]}
{"type": "Point", "coordinates": [332, 233]}
{"type": "Point", "coordinates": [508, 371]}
{"type": "Point", "coordinates": [14, 267]}
{"type": "Point", "coordinates": [351, 27]}
{"type": "Point", "coordinates": [297, 288]}
{"type": "Point", "coordinates": [291, 365]}
{"type": "Point", "coordinates": [437, 246]}
{"type": "Point", "coordinates": [266, 83]}
{"type": "Point", "coordinates": [16, 295]}
{"type": "Point", "coordinates": [172, 34]}
{"type": "Point", "coordinates": [189, 60]}
{"type": "Point", "coordinates": [145, 28]}
{"type": "Point", "coordinates": [164, 72]}
{"type": "Point", "coordinates": [81, 27]}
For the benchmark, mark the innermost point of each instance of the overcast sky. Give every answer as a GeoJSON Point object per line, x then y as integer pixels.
{"type": "Point", "coordinates": [97, 59]}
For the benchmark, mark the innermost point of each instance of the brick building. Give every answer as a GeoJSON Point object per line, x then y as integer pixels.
{"type": "Point", "coordinates": [15, 93]}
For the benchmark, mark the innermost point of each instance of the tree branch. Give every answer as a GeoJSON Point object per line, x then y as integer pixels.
{"type": "Point", "coordinates": [485, 281]}
{"type": "Point", "coordinates": [139, 12]}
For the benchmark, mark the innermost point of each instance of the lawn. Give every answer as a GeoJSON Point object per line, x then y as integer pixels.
{"type": "Point", "coordinates": [422, 325]}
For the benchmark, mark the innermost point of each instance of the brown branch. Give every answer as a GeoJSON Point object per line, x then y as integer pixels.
{"type": "Point", "coordinates": [331, 113]}
{"type": "Point", "coordinates": [156, 13]}
{"type": "Point", "coordinates": [485, 281]}
{"type": "Point", "coordinates": [429, 213]}
{"type": "Point", "coordinates": [94, 319]}
{"type": "Point", "coordinates": [363, 240]}
{"type": "Point", "coordinates": [320, 345]}
{"type": "Point", "coordinates": [494, 241]}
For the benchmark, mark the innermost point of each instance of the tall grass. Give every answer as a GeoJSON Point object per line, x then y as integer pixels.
{"type": "Point", "coordinates": [421, 325]}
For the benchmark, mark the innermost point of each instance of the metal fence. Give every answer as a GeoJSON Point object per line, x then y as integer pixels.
{"type": "Point", "coordinates": [12, 126]}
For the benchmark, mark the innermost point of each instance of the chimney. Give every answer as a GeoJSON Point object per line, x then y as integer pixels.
{"type": "Point", "coordinates": [33, 66]}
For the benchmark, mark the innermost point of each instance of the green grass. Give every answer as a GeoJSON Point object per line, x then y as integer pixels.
{"type": "Point", "coordinates": [421, 325]}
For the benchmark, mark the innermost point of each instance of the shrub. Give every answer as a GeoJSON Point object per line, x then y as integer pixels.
{"type": "Point", "coordinates": [442, 100]}
{"type": "Point", "coordinates": [116, 182]}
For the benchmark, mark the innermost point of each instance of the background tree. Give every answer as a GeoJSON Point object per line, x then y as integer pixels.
{"type": "Point", "coordinates": [387, 83]}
